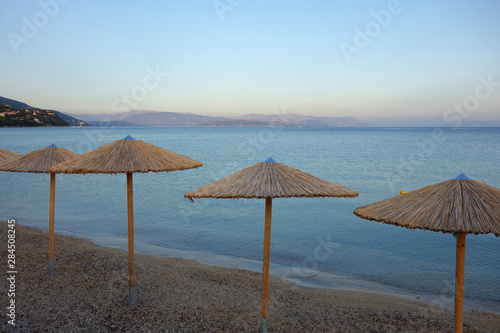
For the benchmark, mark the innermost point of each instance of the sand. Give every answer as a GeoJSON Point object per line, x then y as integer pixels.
{"type": "Point", "coordinates": [90, 293]}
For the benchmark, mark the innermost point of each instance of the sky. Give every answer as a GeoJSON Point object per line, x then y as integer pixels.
{"type": "Point", "coordinates": [365, 59]}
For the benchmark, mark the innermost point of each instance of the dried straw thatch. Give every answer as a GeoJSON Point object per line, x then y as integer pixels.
{"type": "Point", "coordinates": [460, 205]}
{"type": "Point", "coordinates": [5, 154]}
{"type": "Point", "coordinates": [127, 156]}
{"type": "Point", "coordinates": [453, 206]}
{"type": "Point", "coordinates": [38, 161]}
{"type": "Point", "coordinates": [270, 180]}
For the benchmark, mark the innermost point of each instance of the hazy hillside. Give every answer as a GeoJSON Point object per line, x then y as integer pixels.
{"type": "Point", "coordinates": [108, 117]}
{"type": "Point", "coordinates": [170, 119]}
{"type": "Point", "coordinates": [241, 123]}
{"type": "Point", "coordinates": [14, 103]}
{"type": "Point", "coordinates": [301, 120]}
{"type": "Point", "coordinates": [157, 118]}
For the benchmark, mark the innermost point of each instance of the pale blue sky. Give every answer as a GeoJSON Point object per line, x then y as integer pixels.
{"type": "Point", "coordinates": [230, 57]}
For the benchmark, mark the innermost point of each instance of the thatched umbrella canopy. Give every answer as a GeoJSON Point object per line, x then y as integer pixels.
{"type": "Point", "coordinates": [40, 161]}
{"type": "Point", "coordinates": [269, 179]}
{"type": "Point", "coordinates": [5, 154]}
{"type": "Point", "coordinates": [460, 206]}
{"type": "Point", "coordinates": [128, 156]}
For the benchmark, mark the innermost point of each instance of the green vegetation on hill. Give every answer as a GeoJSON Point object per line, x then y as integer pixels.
{"type": "Point", "coordinates": [7, 102]}
{"type": "Point", "coordinates": [16, 117]}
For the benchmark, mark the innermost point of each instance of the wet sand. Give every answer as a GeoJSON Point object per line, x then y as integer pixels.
{"type": "Point", "coordinates": [90, 293]}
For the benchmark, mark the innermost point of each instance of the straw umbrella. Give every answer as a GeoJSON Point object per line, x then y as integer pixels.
{"type": "Point", "coordinates": [460, 206]}
{"type": "Point", "coordinates": [128, 156]}
{"type": "Point", "coordinates": [267, 180]}
{"type": "Point", "coordinates": [5, 154]}
{"type": "Point", "coordinates": [39, 161]}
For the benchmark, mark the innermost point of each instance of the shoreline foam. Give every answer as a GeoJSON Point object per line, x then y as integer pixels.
{"type": "Point", "coordinates": [89, 292]}
{"type": "Point", "coordinates": [315, 280]}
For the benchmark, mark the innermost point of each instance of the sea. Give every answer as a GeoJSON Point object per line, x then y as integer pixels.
{"type": "Point", "coordinates": [315, 242]}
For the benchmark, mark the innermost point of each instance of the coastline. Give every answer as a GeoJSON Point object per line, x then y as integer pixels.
{"type": "Point", "coordinates": [89, 291]}
{"type": "Point", "coordinates": [311, 279]}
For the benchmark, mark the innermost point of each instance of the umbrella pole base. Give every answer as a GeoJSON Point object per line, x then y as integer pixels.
{"type": "Point", "coordinates": [263, 325]}
{"type": "Point", "coordinates": [131, 296]}
{"type": "Point", "coordinates": [51, 267]}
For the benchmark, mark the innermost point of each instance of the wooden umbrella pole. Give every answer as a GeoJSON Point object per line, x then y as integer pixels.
{"type": "Point", "coordinates": [265, 265]}
{"type": "Point", "coordinates": [130, 205]}
{"type": "Point", "coordinates": [459, 283]}
{"type": "Point", "coordinates": [51, 222]}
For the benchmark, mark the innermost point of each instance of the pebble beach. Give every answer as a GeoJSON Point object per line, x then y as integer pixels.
{"type": "Point", "coordinates": [89, 293]}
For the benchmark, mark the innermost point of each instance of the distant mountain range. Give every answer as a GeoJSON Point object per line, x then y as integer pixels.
{"type": "Point", "coordinates": [291, 119]}
{"type": "Point", "coordinates": [158, 118]}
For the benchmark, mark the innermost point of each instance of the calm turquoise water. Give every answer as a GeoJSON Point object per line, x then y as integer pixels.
{"type": "Point", "coordinates": [308, 235]}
